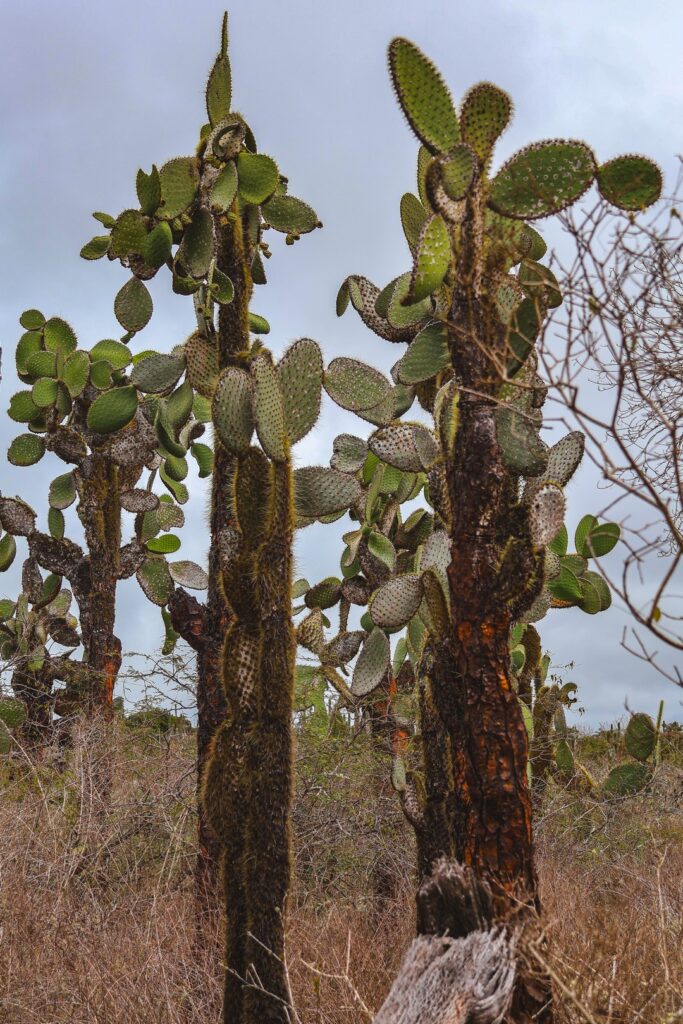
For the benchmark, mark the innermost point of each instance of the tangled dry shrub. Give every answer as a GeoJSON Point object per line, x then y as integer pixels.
{"type": "Point", "coordinates": [96, 905]}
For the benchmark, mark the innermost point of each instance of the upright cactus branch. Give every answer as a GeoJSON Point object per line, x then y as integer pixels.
{"type": "Point", "coordinates": [203, 217]}
{"type": "Point", "coordinates": [471, 309]}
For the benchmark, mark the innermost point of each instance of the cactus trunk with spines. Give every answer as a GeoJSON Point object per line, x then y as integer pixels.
{"type": "Point", "coordinates": [495, 487]}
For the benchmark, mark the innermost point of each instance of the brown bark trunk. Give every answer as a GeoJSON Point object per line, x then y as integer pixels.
{"type": "Point", "coordinates": [488, 807]}
{"type": "Point", "coordinates": [99, 510]}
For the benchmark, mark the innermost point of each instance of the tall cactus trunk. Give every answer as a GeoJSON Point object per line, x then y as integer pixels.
{"type": "Point", "coordinates": [492, 562]}
{"type": "Point", "coordinates": [233, 337]}
{"type": "Point", "coordinates": [100, 512]}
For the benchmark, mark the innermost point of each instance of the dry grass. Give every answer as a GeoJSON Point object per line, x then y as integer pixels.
{"type": "Point", "coordinates": [96, 910]}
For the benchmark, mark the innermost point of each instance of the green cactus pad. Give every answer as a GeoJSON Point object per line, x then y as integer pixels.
{"type": "Point", "coordinates": [484, 116]}
{"type": "Point", "coordinates": [197, 247]}
{"type": "Point", "coordinates": [219, 90]}
{"type": "Point", "coordinates": [203, 456]}
{"type": "Point", "coordinates": [427, 355]}
{"type": "Point", "coordinates": [354, 385]}
{"type": "Point", "coordinates": [319, 491]}
{"type": "Point", "coordinates": [546, 514]}
{"type": "Point", "coordinates": [324, 594]}
{"type": "Point", "coordinates": [258, 324]}
{"type": "Point", "coordinates": [55, 523]}
{"type": "Point", "coordinates": [155, 580]}
{"type": "Point", "coordinates": [189, 574]}
{"type": "Point", "coordinates": [31, 319]}
{"type": "Point", "coordinates": [373, 664]}
{"type": "Point", "coordinates": [62, 491]}
{"type": "Point", "coordinates": [437, 603]}
{"type": "Point", "coordinates": [28, 345]}
{"type": "Point", "coordinates": [627, 779]}
{"type": "Point", "coordinates": [432, 257]}
{"type": "Point", "coordinates": [640, 737]}
{"type": "Point", "coordinates": [381, 548]}
{"type": "Point", "coordinates": [201, 357]}
{"type": "Point", "coordinates": [523, 330]}
{"type": "Point", "coordinates": [565, 587]}
{"type": "Point", "coordinates": [22, 408]}
{"type": "Point", "coordinates": [269, 409]}
{"type": "Point", "coordinates": [436, 555]}
{"type": "Point", "coordinates": [396, 601]}
{"type": "Point", "coordinates": [290, 215]}
{"type": "Point", "coordinates": [158, 244]}
{"type": "Point", "coordinates": [7, 609]}
{"type": "Point", "coordinates": [41, 364]}
{"type": "Point", "coordinates": [594, 539]}
{"type": "Point", "coordinates": [403, 314]}
{"type": "Point", "coordinates": [348, 453]}
{"type": "Point", "coordinates": [17, 517]}
{"type": "Point", "coordinates": [224, 188]}
{"type": "Point", "coordinates": [113, 410]}
{"type": "Point", "coordinates": [101, 374]}
{"type": "Point", "coordinates": [133, 306]}
{"type": "Point", "coordinates": [413, 218]}
{"type": "Point", "coordinates": [178, 405]}
{"type": "Point", "coordinates": [179, 184]}
{"type": "Point", "coordinates": [96, 248]}
{"type": "Point", "coordinates": [8, 552]}
{"type": "Point", "coordinates": [232, 410]}
{"type": "Point", "coordinates": [257, 176]}
{"type": "Point", "coordinates": [454, 172]}
{"type": "Point", "coordinates": [630, 182]}
{"type": "Point", "coordinates": [59, 336]}
{"type": "Point", "coordinates": [157, 373]}
{"type": "Point", "coordinates": [76, 373]}
{"type": "Point", "coordinates": [128, 234]}
{"type": "Point", "coordinates": [115, 352]}
{"type": "Point", "coordinates": [300, 372]}
{"type": "Point", "coordinates": [424, 97]}
{"type": "Point", "coordinates": [565, 457]}
{"type": "Point", "coordinates": [166, 545]}
{"type": "Point", "coordinates": [148, 189]}
{"type": "Point", "coordinates": [542, 179]}
{"type": "Point", "coordinates": [597, 586]}
{"type": "Point", "coordinates": [26, 450]}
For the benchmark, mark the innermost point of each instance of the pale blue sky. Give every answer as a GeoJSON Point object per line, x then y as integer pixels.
{"type": "Point", "coordinates": [95, 90]}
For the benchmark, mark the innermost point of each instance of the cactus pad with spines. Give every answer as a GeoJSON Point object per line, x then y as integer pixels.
{"type": "Point", "coordinates": [319, 491]}
{"type": "Point", "coordinates": [424, 97]}
{"type": "Point", "coordinates": [354, 385]}
{"type": "Point", "coordinates": [432, 256]}
{"type": "Point", "coordinates": [630, 182]}
{"type": "Point", "coordinates": [484, 116]}
{"type": "Point", "coordinates": [542, 179]}
{"type": "Point", "coordinates": [133, 306]}
{"type": "Point", "coordinates": [232, 410]}
{"type": "Point", "coordinates": [396, 601]}
{"type": "Point", "coordinates": [269, 409]}
{"type": "Point", "coordinates": [348, 453]}
{"type": "Point", "coordinates": [373, 664]}
{"type": "Point", "coordinates": [300, 373]}
{"type": "Point", "coordinates": [113, 410]}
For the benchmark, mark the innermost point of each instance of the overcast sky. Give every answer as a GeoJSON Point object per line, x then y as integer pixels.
{"type": "Point", "coordinates": [94, 90]}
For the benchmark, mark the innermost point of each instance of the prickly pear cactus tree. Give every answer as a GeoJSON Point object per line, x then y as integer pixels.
{"type": "Point", "coordinates": [85, 407]}
{"type": "Point", "coordinates": [29, 629]}
{"type": "Point", "coordinates": [470, 309]}
{"type": "Point", "coordinates": [203, 218]}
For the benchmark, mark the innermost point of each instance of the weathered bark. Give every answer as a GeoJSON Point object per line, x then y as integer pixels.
{"type": "Point", "coordinates": [477, 739]}
{"type": "Point", "coordinates": [99, 510]}
{"type": "Point", "coordinates": [460, 968]}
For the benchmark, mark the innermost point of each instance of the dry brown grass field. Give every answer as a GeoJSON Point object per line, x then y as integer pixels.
{"type": "Point", "coordinates": [96, 906]}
